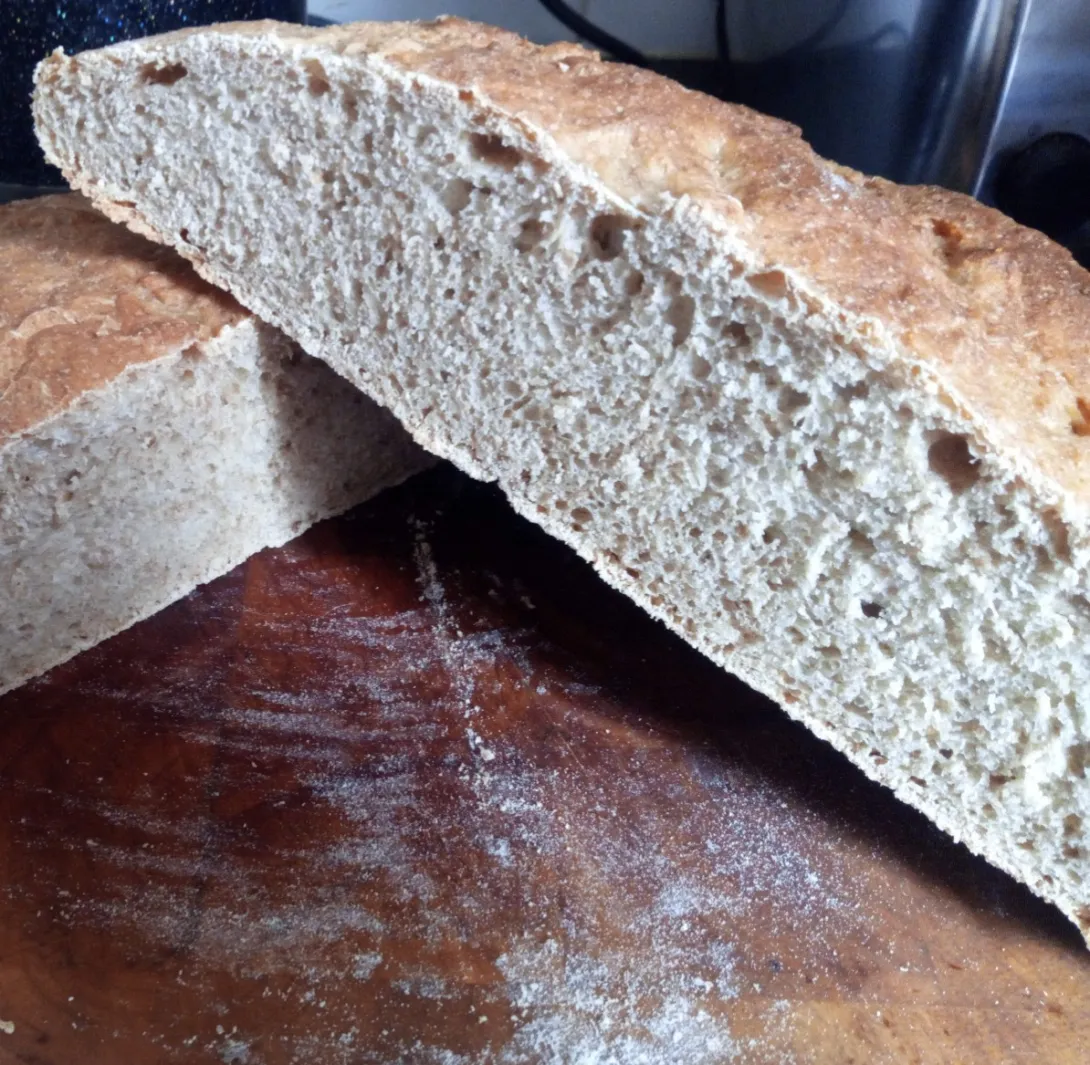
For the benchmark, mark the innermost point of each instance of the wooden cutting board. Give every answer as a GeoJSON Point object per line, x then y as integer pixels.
{"type": "Point", "coordinates": [419, 788]}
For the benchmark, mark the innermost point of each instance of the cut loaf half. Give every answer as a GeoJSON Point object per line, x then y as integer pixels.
{"type": "Point", "coordinates": [153, 434]}
{"type": "Point", "coordinates": [831, 430]}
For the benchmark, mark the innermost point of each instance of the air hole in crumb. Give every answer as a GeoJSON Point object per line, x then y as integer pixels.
{"type": "Point", "coordinates": [167, 74]}
{"type": "Point", "coordinates": [679, 315]}
{"type": "Point", "coordinates": [1058, 533]}
{"type": "Point", "coordinates": [1072, 825]}
{"type": "Point", "coordinates": [870, 610]}
{"type": "Point", "coordinates": [1078, 758]}
{"type": "Point", "coordinates": [531, 234]}
{"type": "Point", "coordinates": [946, 752]}
{"type": "Point", "coordinates": [699, 367]}
{"type": "Point", "coordinates": [858, 390]}
{"type": "Point", "coordinates": [607, 236]}
{"type": "Point", "coordinates": [997, 780]}
{"type": "Point", "coordinates": [736, 334]}
{"type": "Point", "coordinates": [771, 283]}
{"type": "Point", "coordinates": [861, 542]}
{"type": "Point", "coordinates": [1080, 426]}
{"type": "Point", "coordinates": [950, 458]}
{"type": "Point", "coordinates": [791, 399]}
{"type": "Point", "coordinates": [183, 234]}
{"type": "Point", "coordinates": [634, 285]}
{"type": "Point", "coordinates": [491, 149]}
{"type": "Point", "coordinates": [317, 81]}
{"type": "Point", "coordinates": [581, 516]}
{"type": "Point", "coordinates": [918, 781]}
{"type": "Point", "coordinates": [988, 810]}
{"type": "Point", "coordinates": [456, 195]}
{"type": "Point", "coordinates": [1078, 602]}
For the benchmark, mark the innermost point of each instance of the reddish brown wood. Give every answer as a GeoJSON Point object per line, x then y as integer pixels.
{"type": "Point", "coordinates": [418, 788]}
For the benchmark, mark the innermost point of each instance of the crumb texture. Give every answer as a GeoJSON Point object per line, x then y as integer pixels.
{"type": "Point", "coordinates": [707, 391]}
{"type": "Point", "coordinates": [156, 434]}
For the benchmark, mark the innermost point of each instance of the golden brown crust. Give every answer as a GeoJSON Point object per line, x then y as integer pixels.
{"type": "Point", "coordinates": [82, 300]}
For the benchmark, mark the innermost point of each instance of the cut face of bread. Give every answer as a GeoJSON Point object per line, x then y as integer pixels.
{"type": "Point", "coordinates": [830, 430]}
{"type": "Point", "coordinates": [153, 434]}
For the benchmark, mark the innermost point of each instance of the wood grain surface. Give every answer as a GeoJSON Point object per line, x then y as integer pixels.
{"type": "Point", "coordinates": [419, 788]}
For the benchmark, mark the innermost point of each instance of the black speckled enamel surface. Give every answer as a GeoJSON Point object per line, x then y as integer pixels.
{"type": "Point", "coordinates": [31, 29]}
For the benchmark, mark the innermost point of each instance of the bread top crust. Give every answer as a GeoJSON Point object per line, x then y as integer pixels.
{"type": "Point", "coordinates": [997, 315]}
{"type": "Point", "coordinates": [82, 300]}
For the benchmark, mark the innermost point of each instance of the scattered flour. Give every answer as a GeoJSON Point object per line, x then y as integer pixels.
{"type": "Point", "coordinates": [607, 1011]}
{"type": "Point", "coordinates": [595, 914]}
{"type": "Point", "coordinates": [363, 965]}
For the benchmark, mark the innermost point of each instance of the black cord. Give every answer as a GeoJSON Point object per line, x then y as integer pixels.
{"type": "Point", "coordinates": [722, 37]}
{"type": "Point", "coordinates": [811, 40]}
{"type": "Point", "coordinates": [722, 48]}
{"type": "Point", "coordinates": [594, 34]}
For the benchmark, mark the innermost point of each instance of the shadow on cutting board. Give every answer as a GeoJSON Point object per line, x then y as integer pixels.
{"type": "Point", "coordinates": [597, 634]}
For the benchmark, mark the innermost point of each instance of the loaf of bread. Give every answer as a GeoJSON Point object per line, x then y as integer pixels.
{"type": "Point", "coordinates": [834, 432]}
{"type": "Point", "coordinates": [153, 434]}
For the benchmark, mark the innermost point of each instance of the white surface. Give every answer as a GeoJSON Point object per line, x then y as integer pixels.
{"type": "Point", "coordinates": [658, 27]}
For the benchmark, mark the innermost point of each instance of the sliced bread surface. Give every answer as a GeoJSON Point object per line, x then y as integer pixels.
{"type": "Point", "coordinates": [153, 433]}
{"type": "Point", "coordinates": [833, 431]}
